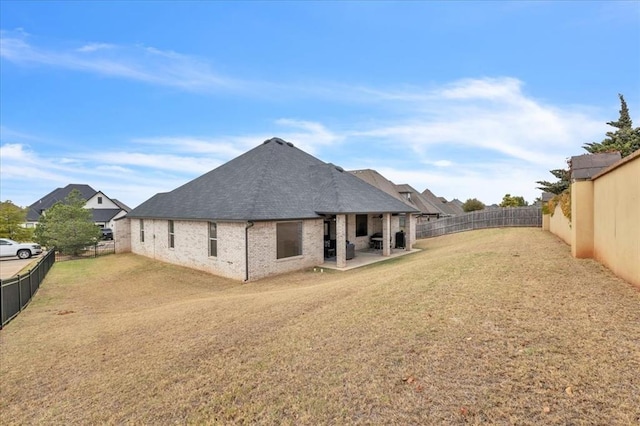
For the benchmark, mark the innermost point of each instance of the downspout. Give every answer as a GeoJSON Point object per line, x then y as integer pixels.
{"type": "Point", "coordinates": [246, 250]}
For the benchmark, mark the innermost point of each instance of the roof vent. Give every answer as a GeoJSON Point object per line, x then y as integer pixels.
{"type": "Point", "coordinates": [340, 169]}
{"type": "Point", "coordinates": [278, 141]}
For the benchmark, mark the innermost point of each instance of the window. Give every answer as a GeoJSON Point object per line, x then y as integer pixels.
{"type": "Point", "coordinates": [171, 235]}
{"type": "Point", "coordinates": [289, 237]}
{"type": "Point", "coordinates": [142, 230]}
{"type": "Point", "coordinates": [361, 225]}
{"type": "Point", "coordinates": [99, 200]}
{"type": "Point", "coordinates": [213, 239]}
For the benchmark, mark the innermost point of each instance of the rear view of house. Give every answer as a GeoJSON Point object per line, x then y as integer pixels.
{"type": "Point", "coordinates": [271, 210]}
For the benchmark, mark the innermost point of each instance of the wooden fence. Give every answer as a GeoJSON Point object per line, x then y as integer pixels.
{"type": "Point", "coordinates": [490, 218]}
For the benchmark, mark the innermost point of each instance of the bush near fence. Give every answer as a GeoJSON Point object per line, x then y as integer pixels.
{"type": "Point", "coordinates": [99, 249]}
{"type": "Point", "coordinates": [17, 292]}
{"type": "Point", "coordinates": [490, 218]}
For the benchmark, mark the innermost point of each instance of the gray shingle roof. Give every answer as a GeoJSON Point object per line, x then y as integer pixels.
{"type": "Point", "coordinates": [273, 181]}
{"type": "Point", "coordinates": [59, 194]}
{"type": "Point", "coordinates": [415, 200]}
{"type": "Point", "coordinates": [423, 204]}
{"type": "Point", "coordinates": [447, 208]}
{"type": "Point", "coordinates": [588, 165]}
{"type": "Point", "coordinates": [122, 205]}
{"type": "Point", "coordinates": [104, 215]}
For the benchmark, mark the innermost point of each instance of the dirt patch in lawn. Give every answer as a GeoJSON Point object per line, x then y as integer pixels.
{"type": "Point", "coordinates": [495, 326]}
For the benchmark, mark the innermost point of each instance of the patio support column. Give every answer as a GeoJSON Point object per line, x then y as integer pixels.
{"type": "Point", "coordinates": [386, 234]}
{"type": "Point", "coordinates": [409, 231]}
{"type": "Point", "coordinates": [341, 240]}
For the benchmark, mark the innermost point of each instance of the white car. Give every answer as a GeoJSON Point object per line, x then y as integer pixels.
{"type": "Point", "coordinates": [22, 250]}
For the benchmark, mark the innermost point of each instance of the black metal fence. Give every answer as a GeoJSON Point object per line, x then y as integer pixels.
{"type": "Point", "coordinates": [100, 249]}
{"type": "Point", "coordinates": [16, 292]}
{"type": "Point", "coordinates": [490, 218]}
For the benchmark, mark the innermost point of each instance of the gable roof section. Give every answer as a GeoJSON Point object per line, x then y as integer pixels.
{"type": "Point", "coordinates": [447, 208]}
{"type": "Point", "coordinates": [122, 205]}
{"type": "Point", "coordinates": [415, 199]}
{"type": "Point", "coordinates": [59, 194]}
{"type": "Point", "coordinates": [423, 204]}
{"type": "Point", "coordinates": [374, 178]}
{"type": "Point", "coordinates": [456, 205]}
{"type": "Point", "coordinates": [273, 181]}
{"type": "Point", "coordinates": [343, 192]}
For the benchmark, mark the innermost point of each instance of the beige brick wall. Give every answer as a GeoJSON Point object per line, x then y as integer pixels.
{"type": "Point", "coordinates": [122, 236]}
{"type": "Point", "coordinates": [191, 247]}
{"type": "Point", "coordinates": [263, 260]}
{"type": "Point", "coordinates": [374, 225]}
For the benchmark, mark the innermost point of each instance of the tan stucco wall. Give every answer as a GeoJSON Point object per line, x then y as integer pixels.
{"type": "Point", "coordinates": [616, 237]}
{"type": "Point", "coordinates": [582, 219]}
{"type": "Point", "coordinates": [559, 225]}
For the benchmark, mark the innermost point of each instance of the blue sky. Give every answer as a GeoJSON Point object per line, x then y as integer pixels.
{"type": "Point", "coordinates": [467, 99]}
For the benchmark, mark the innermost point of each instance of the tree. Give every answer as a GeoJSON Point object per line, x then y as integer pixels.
{"type": "Point", "coordinates": [68, 226]}
{"type": "Point", "coordinates": [513, 201]}
{"type": "Point", "coordinates": [472, 204]}
{"type": "Point", "coordinates": [626, 139]}
{"type": "Point", "coordinates": [563, 183]}
{"type": "Point", "coordinates": [12, 218]}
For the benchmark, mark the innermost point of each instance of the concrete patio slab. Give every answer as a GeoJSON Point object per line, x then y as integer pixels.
{"type": "Point", "coordinates": [365, 257]}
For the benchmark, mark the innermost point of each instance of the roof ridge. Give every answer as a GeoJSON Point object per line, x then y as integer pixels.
{"type": "Point", "coordinates": [334, 183]}
{"type": "Point", "coordinates": [257, 188]}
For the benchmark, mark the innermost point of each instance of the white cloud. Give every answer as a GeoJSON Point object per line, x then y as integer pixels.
{"type": "Point", "coordinates": [310, 135]}
{"type": "Point", "coordinates": [93, 47]}
{"type": "Point", "coordinates": [499, 89]}
{"type": "Point", "coordinates": [140, 63]}
{"type": "Point", "coordinates": [511, 124]}
{"type": "Point", "coordinates": [223, 147]}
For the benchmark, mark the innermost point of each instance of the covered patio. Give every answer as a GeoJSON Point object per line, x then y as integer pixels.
{"type": "Point", "coordinates": [365, 257]}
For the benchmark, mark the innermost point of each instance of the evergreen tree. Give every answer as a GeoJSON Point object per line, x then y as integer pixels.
{"type": "Point", "coordinates": [472, 204]}
{"type": "Point", "coordinates": [12, 218]}
{"type": "Point", "coordinates": [625, 139]}
{"type": "Point", "coordinates": [68, 226]}
{"type": "Point", "coordinates": [563, 183]}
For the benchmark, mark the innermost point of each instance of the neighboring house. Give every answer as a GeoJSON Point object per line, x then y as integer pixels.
{"type": "Point", "coordinates": [428, 210]}
{"type": "Point", "coordinates": [426, 202]}
{"type": "Point", "coordinates": [448, 208]}
{"type": "Point", "coordinates": [105, 210]}
{"type": "Point", "coordinates": [404, 192]}
{"type": "Point", "coordinates": [273, 209]}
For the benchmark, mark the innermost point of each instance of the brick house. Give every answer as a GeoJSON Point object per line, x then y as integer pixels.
{"type": "Point", "coordinates": [272, 210]}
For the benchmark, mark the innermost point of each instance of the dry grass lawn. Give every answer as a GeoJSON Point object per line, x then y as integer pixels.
{"type": "Point", "coordinates": [497, 326]}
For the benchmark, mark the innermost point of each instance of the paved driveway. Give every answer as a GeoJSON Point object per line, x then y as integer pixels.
{"type": "Point", "coordinates": [10, 266]}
